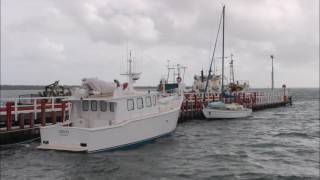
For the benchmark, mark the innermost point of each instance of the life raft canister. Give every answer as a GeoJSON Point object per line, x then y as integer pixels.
{"type": "Point", "coordinates": [179, 79]}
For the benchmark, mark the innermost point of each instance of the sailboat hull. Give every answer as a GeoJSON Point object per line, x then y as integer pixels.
{"type": "Point", "coordinates": [210, 113]}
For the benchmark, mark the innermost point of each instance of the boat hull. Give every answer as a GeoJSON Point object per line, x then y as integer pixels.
{"type": "Point", "coordinates": [99, 139]}
{"type": "Point", "coordinates": [225, 114]}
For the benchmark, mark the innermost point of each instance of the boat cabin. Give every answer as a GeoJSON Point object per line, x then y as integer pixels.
{"type": "Point", "coordinates": [101, 112]}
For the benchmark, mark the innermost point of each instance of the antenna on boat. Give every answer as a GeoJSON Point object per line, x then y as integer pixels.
{"type": "Point", "coordinates": [168, 70]}
{"type": "Point", "coordinates": [132, 76]}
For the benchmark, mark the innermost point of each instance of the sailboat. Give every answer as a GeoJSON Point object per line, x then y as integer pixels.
{"type": "Point", "coordinates": [110, 115]}
{"type": "Point", "coordinates": [219, 109]}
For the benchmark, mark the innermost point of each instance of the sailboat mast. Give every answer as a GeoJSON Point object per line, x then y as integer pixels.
{"type": "Point", "coordinates": [231, 70]}
{"type": "Point", "coordinates": [223, 16]}
{"type": "Point", "coordinates": [210, 66]}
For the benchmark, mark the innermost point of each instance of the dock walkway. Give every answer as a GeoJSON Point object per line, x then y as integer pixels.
{"type": "Point", "coordinates": [20, 118]}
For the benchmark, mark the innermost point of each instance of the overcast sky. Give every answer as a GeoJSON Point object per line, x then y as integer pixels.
{"type": "Point", "coordinates": [67, 40]}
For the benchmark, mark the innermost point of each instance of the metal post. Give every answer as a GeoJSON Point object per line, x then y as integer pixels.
{"type": "Point", "coordinates": [63, 107]}
{"type": "Point", "coordinates": [272, 75]}
{"type": "Point", "coordinates": [35, 108]}
{"type": "Point", "coordinates": [16, 109]}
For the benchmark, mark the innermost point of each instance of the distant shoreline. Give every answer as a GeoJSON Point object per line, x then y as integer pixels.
{"type": "Point", "coordinates": [41, 87]}
{"type": "Point", "coordinates": [21, 87]}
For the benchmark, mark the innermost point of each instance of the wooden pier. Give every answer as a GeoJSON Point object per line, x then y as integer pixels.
{"type": "Point", "coordinates": [256, 100]}
{"type": "Point", "coordinates": [20, 118]}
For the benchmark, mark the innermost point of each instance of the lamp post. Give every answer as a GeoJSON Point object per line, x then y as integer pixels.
{"type": "Point", "coordinates": [272, 76]}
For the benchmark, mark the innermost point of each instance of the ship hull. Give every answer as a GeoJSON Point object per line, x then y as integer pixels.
{"type": "Point", "coordinates": [128, 133]}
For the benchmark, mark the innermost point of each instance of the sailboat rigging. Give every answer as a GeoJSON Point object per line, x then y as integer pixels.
{"type": "Point", "coordinates": [212, 58]}
{"type": "Point", "coordinates": [219, 109]}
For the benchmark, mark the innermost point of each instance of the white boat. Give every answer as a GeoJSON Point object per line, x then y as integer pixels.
{"type": "Point", "coordinates": [106, 116]}
{"type": "Point", "coordinates": [219, 110]}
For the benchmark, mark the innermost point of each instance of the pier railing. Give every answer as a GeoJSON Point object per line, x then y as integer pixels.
{"type": "Point", "coordinates": [13, 112]}
{"type": "Point", "coordinates": [30, 112]}
{"type": "Point", "coordinates": [250, 99]}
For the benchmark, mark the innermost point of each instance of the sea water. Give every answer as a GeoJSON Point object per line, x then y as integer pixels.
{"type": "Point", "coordinates": [277, 143]}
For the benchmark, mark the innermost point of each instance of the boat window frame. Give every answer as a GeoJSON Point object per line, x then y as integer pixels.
{"type": "Point", "coordinates": [92, 105]}
{"type": "Point", "coordinates": [103, 106]}
{"type": "Point", "coordinates": [85, 103]}
{"type": "Point", "coordinates": [131, 109]}
{"type": "Point", "coordinates": [150, 100]}
{"type": "Point", "coordinates": [138, 105]}
{"type": "Point", "coordinates": [111, 106]}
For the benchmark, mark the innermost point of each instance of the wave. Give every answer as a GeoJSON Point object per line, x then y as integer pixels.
{"type": "Point", "coordinates": [261, 176]}
{"type": "Point", "coordinates": [293, 134]}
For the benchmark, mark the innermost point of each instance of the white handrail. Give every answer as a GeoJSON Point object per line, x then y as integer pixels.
{"type": "Point", "coordinates": [31, 98]}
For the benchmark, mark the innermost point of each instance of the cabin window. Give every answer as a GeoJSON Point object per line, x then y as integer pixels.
{"type": "Point", "coordinates": [94, 105]}
{"type": "Point", "coordinates": [148, 101]}
{"type": "Point", "coordinates": [139, 103]}
{"type": "Point", "coordinates": [154, 100]}
{"type": "Point", "coordinates": [103, 106]}
{"type": "Point", "coordinates": [130, 104]}
{"type": "Point", "coordinates": [111, 107]}
{"type": "Point", "coordinates": [85, 105]}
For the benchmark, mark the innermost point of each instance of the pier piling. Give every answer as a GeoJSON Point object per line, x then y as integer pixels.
{"type": "Point", "coordinates": [31, 121]}
{"type": "Point", "coordinates": [53, 117]}
{"type": "Point", "coordinates": [43, 113]}
{"type": "Point", "coordinates": [9, 115]}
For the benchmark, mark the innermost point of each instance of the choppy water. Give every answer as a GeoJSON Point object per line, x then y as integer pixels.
{"type": "Point", "coordinates": [280, 143]}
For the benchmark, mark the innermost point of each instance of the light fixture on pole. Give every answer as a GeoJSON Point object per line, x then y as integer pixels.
{"type": "Point", "coordinates": [272, 76]}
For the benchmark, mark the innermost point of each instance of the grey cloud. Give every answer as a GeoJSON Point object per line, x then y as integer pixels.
{"type": "Point", "coordinates": [92, 36]}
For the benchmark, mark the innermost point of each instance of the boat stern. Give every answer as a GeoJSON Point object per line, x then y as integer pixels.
{"type": "Point", "coordinates": [57, 137]}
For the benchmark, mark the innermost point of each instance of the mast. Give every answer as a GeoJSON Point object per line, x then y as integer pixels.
{"type": "Point", "coordinates": [212, 59]}
{"type": "Point", "coordinates": [130, 64]}
{"type": "Point", "coordinates": [168, 66]}
{"type": "Point", "coordinates": [231, 70]}
{"type": "Point", "coordinates": [223, 23]}
{"type": "Point", "coordinates": [132, 76]}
